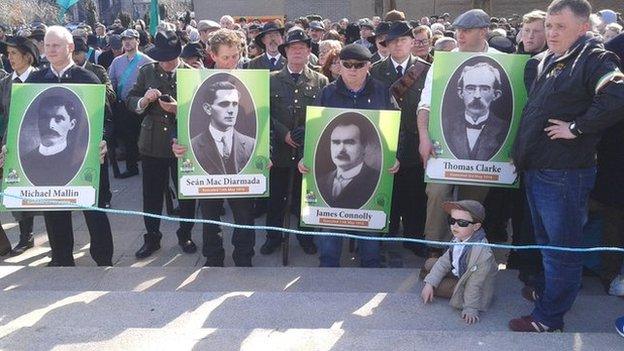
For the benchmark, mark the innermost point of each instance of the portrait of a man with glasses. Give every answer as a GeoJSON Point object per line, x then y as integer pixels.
{"type": "Point", "coordinates": [475, 133]}
{"type": "Point", "coordinates": [221, 149]}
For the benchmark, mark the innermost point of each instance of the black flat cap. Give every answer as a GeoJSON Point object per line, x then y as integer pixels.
{"type": "Point", "coordinates": [355, 52]}
{"type": "Point", "coordinates": [475, 18]}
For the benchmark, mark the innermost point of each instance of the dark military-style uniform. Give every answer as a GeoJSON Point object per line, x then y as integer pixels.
{"type": "Point", "coordinates": [158, 162]}
{"type": "Point", "coordinates": [289, 99]}
{"type": "Point", "coordinates": [409, 199]}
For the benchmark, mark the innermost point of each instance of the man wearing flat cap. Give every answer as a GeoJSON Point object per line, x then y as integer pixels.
{"type": "Point", "coordinates": [153, 97]}
{"type": "Point", "coordinates": [269, 39]}
{"type": "Point", "coordinates": [471, 31]}
{"type": "Point", "coordinates": [293, 89]}
{"type": "Point", "coordinates": [355, 88]}
{"type": "Point", "coordinates": [409, 187]}
{"type": "Point", "coordinates": [316, 30]}
{"type": "Point", "coordinates": [366, 31]}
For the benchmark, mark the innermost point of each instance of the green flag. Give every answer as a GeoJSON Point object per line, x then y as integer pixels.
{"type": "Point", "coordinates": [154, 17]}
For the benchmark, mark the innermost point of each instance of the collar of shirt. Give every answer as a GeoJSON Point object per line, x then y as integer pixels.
{"type": "Point", "coordinates": [291, 72]}
{"type": "Point", "coordinates": [60, 74]}
{"type": "Point", "coordinates": [277, 57]}
{"type": "Point", "coordinates": [479, 120]}
{"type": "Point", "coordinates": [24, 75]}
{"type": "Point", "coordinates": [217, 135]}
{"type": "Point", "coordinates": [402, 64]}
{"type": "Point", "coordinates": [350, 174]}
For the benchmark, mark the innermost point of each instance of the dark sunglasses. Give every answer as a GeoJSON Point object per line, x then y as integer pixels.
{"type": "Point", "coordinates": [357, 65]}
{"type": "Point", "coordinates": [460, 222]}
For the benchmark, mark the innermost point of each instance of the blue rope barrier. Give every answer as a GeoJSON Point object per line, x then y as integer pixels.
{"type": "Point", "coordinates": [334, 234]}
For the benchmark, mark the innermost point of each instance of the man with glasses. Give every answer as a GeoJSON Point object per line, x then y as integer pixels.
{"type": "Point", "coordinates": [422, 43]}
{"type": "Point", "coordinates": [355, 88]}
{"type": "Point", "coordinates": [409, 189]}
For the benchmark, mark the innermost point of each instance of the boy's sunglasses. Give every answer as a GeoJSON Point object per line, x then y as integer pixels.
{"type": "Point", "coordinates": [356, 65]}
{"type": "Point", "coordinates": [460, 222]}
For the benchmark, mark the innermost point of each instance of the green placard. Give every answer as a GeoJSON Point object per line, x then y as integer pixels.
{"type": "Point", "coordinates": [233, 107]}
{"type": "Point", "coordinates": [476, 105]}
{"type": "Point", "coordinates": [348, 153]}
{"type": "Point", "coordinates": [53, 138]}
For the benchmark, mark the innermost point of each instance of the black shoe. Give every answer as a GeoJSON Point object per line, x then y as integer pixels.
{"type": "Point", "coordinates": [188, 246]}
{"type": "Point", "coordinates": [151, 245]}
{"type": "Point", "coordinates": [269, 247]}
{"type": "Point", "coordinates": [213, 263]}
{"type": "Point", "coordinates": [23, 245]}
{"type": "Point", "coordinates": [129, 173]}
{"type": "Point", "coordinates": [5, 251]}
{"type": "Point", "coordinates": [310, 249]}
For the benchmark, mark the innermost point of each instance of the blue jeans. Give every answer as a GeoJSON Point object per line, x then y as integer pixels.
{"type": "Point", "coordinates": [330, 250]}
{"type": "Point", "coordinates": [558, 200]}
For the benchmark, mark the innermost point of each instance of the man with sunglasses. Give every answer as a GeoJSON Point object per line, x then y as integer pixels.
{"type": "Point", "coordinates": [408, 200]}
{"type": "Point", "coordinates": [355, 88]}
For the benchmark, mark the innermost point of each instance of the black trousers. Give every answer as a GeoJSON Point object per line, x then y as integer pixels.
{"type": "Point", "coordinates": [156, 173]}
{"type": "Point", "coordinates": [61, 235]}
{"type": "Point", "coordinates": [503, 204]}
{"type": "Point", "coordinates": [409, 202]}
{"type": "Point", "coordinates": [243, 240]}
{"type": "Point", "coordinates": [127, 127]}
{"type": "Point", "coordinates": [277, 203]}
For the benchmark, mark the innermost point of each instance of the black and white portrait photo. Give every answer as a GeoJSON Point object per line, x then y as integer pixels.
{"type": "Point", "coordinates": [477, 109]}
{"type": "Point", "coordinates": [53, 138]}
{"type": "Point", "coordinates": [222, 125]}
{"type": "Point", "coordinates": [348, 160]}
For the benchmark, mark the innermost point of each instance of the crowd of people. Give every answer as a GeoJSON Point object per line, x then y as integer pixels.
{"type": "Point", "coordinates": [567, 150]}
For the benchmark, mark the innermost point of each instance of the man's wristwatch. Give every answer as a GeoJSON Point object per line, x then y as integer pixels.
{"type": "Point", "coordinates": [574, 129]}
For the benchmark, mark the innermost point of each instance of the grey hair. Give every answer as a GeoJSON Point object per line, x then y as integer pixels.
{"type": "Point", "coordinates": [442, 43]}
{"type": "Point", "coordinates": [60, 32]}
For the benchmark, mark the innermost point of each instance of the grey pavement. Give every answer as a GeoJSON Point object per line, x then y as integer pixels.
{"type": "Point", "coordinates": [170, 302]}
